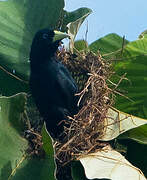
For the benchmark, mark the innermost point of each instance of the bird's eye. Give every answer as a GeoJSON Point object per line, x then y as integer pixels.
{"type": "Point", "coordinates": [45, 36]}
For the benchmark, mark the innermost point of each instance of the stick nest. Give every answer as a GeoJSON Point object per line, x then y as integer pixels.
{"type": "Point", "coordinates": [84, 130]}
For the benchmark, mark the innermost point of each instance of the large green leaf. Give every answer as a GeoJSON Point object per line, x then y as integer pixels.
{"type": "Point", "coordinates": [12, 145]}
{"type": "Point", "coordinates": [108, 44]}
{"type": "Point", "coordinates": [9, 85]}
{"type": "Point", "coordinates": [33, 168]}
{"type": "Point", "coordinates": [15, 162]}
{"type": "Point", "coordinates": [19, 20]}
{"type": "Point", "coordinates": [134, 63]}
{"type": "Point", "coordinates": [138, 134]}
{"type": "Point", "coordinates": [48, 147]}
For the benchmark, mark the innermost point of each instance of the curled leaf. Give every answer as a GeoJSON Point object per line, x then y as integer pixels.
{"type": "Point", "coordinates": [118, 122]}
{"type": "Point", "coordinates": [110, 164]}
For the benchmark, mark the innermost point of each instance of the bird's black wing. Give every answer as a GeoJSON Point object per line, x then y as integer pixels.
{"type": "Point", "coordinates": [68, 88]}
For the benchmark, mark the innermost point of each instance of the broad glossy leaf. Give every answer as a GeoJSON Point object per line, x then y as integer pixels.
{"type": "Point", "coordinates": [15, 162]}
{"type": "Point", "coordinates": [41, 167]}
{"type": "Point", "coordinates": [9, 85]}
{"type": "Point", "coordinates": [108, 44]}
{"type": "Point", "coordinates": [134, 63]}
{"type": "Point", "coordinates": [37, 168]}
{"type": "Point", "coordinates": [50, 154]}
{"type": "Point", "coordinates": [138, 134]}
{"type": "Point", "coordinates": [13, 145]}
{"type": "Point", "coordinates": [19, 21]}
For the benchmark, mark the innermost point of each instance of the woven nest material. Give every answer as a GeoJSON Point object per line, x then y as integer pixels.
{"type": "Point", "coordinates": [84, 130]}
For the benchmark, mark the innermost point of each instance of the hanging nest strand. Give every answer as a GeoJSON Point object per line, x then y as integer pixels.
{"type": "Point", "coordinates": [84, 130]}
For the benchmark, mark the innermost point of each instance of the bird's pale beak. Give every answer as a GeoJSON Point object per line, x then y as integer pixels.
{"type": "Point", "coordinates": [59, 36]}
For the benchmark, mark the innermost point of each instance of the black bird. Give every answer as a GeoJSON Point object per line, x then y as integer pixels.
{"type": "Point", "coordinates": [51, 84]}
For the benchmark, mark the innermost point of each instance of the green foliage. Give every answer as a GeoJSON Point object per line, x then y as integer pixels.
{"type": "Point", "coordinates": [138, 134]}
{"type": "Point", "coordinates": [19, 20]}
{"type": "Point", "coordinates": [12, 145]}
{"type": "Point", "coordinates": [134, 63]}
{"type": "Point", "coordinates": [15, 162]}
{"type": "Point", "coordinates": [48, 147]}
{"type": "Point", "coordinates": [33, 168]}
{"type": "Point", "coordinates": [81, 45]}
{"type": "Point", "coordinates": [108, 44]}
{"type": "Point", "coordinates": [136, 154]}
{"type": "Point", "coordinates": [9, 85]}
{"type": "Point", "coordinates": [77, 171]}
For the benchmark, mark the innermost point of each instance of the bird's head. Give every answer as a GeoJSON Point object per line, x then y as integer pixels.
{"type": "Point", "coordinates": [45, 44]}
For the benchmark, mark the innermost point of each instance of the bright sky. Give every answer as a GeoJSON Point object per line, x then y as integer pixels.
{"type": "Point", "coordinates": [124, 17]}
